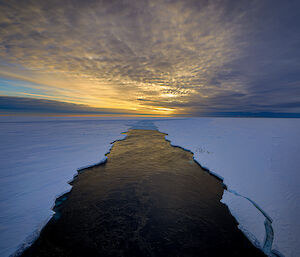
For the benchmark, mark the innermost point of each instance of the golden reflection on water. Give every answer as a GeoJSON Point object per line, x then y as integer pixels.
{"type": "Point", "coordinates": [148, 199]}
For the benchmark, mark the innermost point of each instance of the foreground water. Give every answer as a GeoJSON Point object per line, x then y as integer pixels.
{"type": "Point", "coordinates": [148, 199]}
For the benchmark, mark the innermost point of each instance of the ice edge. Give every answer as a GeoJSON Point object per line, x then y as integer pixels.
{"type": "Point", "coordinates": [30, 239]}
{"type": "Point", "coordinates": [269, 232]}
{"type": "Point", "coordinates": [267, 247]}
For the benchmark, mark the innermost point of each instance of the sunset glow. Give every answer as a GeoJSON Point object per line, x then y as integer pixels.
{"type": "Point", "coordinates": [156, 57]}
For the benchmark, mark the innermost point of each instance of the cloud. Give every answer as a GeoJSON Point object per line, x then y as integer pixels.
{"type": "Point", "coordinates": [9, 104]}
{"type": "Point", "coordinates": [189, 56]}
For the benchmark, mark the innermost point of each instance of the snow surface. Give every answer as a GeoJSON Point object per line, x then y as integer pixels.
{"type": "Point", "coordinates": [38, 157]}
{"type": "Point", "coordinates": [258, 158]}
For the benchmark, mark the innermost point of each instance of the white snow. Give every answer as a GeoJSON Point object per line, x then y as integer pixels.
{"type": "Point", "coordinates": [38, 156]}
{"type": "Point", "coordinates": [258, 158]}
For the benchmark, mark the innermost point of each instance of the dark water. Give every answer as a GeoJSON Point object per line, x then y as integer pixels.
{"type": "Point", "coordinates": [149, 199]}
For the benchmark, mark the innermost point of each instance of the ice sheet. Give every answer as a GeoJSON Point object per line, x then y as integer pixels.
{"type": "Point", "coordinates": [38, 157]}
{"type": "Point", "coordinates": [258, 158]}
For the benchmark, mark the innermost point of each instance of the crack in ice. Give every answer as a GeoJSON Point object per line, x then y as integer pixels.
{"type": "Point", "coordinates": [269, 236]}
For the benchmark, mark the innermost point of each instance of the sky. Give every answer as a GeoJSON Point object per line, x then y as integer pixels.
{"type": "Point", "coordinates": [158, 57]}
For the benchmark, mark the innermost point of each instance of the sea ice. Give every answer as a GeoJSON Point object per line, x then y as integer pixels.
{"type": "Point", "coordinates": [38, 157]}
{"type": "Point", "coordinates": [259, 159]}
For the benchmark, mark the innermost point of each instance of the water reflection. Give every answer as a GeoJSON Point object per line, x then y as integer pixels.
{"type": "Point", "coordinates": [148, 199]}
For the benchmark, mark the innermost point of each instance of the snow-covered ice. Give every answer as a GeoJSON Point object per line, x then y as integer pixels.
{"type": "Point", "coordinates": [38, 157]}
{"type": "Point", "coordinates": [257, 158]}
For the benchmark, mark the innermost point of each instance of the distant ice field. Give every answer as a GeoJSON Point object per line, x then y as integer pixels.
{"type": "Point", "coordinates": [257, 158]}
